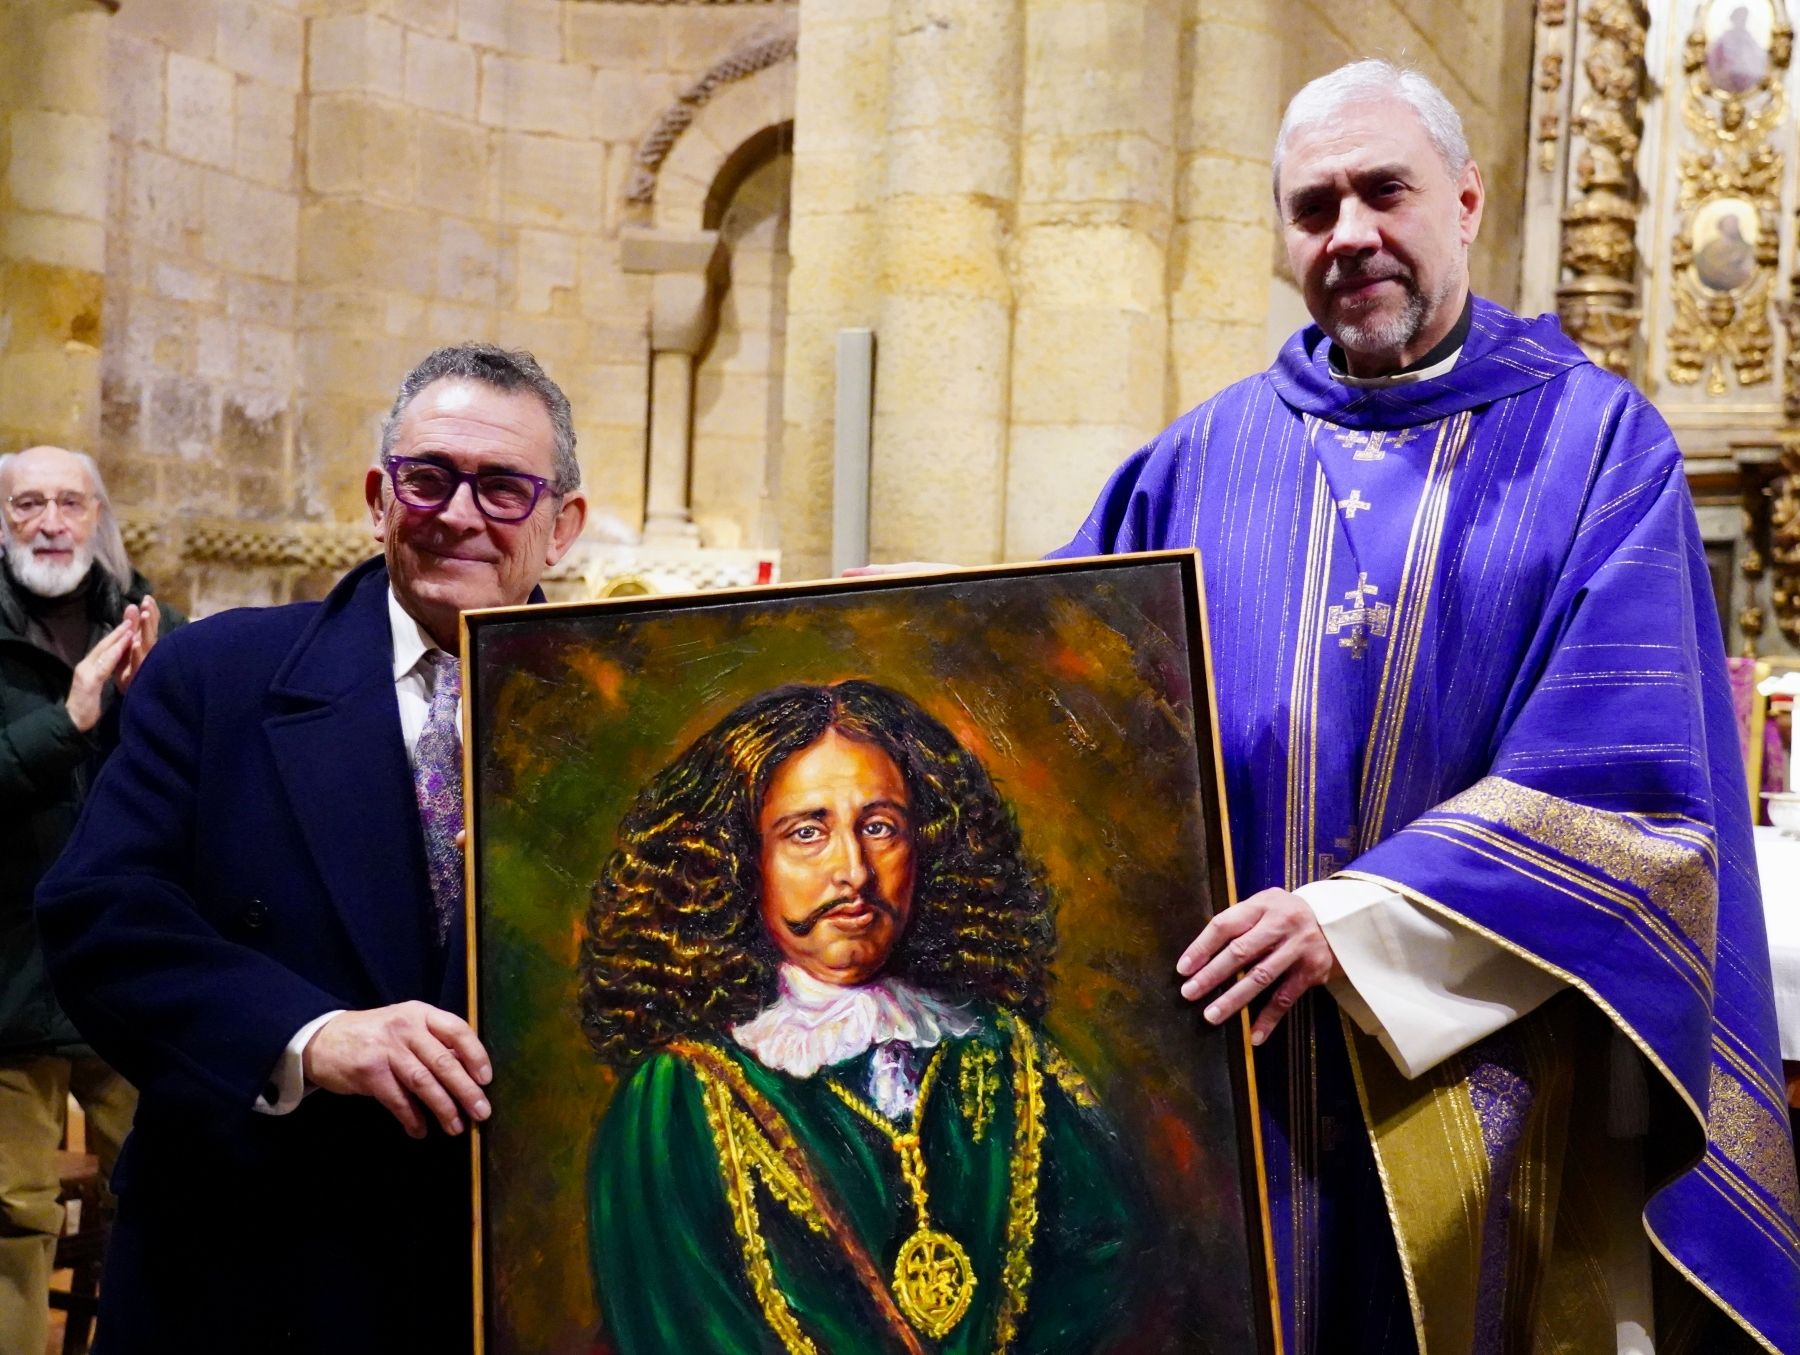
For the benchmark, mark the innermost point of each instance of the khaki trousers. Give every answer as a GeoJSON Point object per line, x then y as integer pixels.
{"type": "Point", "coordinates": [34, 1097]}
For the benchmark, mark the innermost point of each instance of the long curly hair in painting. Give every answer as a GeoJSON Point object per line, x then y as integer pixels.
{"type": "Point", "coordinates": [675, 945]}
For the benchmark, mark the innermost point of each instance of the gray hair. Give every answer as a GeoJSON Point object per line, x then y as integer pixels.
{"type": "Point", "coordinates": [504, 369]}
{"type": "Point", "coordinates": [1370, 81]}
{"type": "Point", "coordinates": [109, 544]}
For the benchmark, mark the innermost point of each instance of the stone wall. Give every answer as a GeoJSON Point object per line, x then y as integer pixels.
{"type": "Point", "coordinates": [227, 227]}
{"type": "Point", "coordinates": [1055, 214]}
{"type": "Point", "coordinates": [305, 196]}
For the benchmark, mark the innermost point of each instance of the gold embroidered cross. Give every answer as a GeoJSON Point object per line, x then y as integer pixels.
{"type": "Point", "coordinates": [1360, 618]}
{"type": "Point", "coordinates": [1354, 504]}
{"type": "Point", "coordinates": [1353, 440]}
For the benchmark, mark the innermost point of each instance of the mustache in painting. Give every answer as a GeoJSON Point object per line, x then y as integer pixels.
{"type": "Point", "coordinates": [870, 895]}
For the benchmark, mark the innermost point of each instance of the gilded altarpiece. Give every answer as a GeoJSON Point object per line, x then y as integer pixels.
{"type": "Point", "coordinates": [1661, 227]}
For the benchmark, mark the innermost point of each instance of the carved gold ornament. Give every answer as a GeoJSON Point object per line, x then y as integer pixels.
{"type": "Point", "coordinates": [1598, 299]}
{"type": "Point", "coordinates": [1727, 225]}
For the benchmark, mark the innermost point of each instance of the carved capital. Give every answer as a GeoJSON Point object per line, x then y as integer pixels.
{"type": "Point", "coordinates": [688, 269]}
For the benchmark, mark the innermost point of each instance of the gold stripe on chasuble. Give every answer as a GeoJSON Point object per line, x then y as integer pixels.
{"type": "Point", "coordinates": [1671, 868]}
{"type": "Point", "coordinates": [1758, 1143]}
{"type": "Point", "coordinates": [1303, 693]}
{"type": "Point", "coordinates": [1411, 605]}
{"type": "Point", "coordinates": [1436, 1175]}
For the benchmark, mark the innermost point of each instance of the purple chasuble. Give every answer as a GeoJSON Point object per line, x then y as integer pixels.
{"type": "Point", "coordinates": [1465, 645]}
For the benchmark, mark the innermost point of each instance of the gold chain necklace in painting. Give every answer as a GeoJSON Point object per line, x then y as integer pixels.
{"type": "Point", "coordinates": [933, 1280]}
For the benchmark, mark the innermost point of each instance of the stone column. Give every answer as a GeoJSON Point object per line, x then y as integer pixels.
{"type": "Point", "coordinates": [53, 177]}
{"type": "Point", "coordinates": [1234, 86]}
{"type": "Point", "coordinates": [840, 119]}
{"type": "Point", "coordinates": [1090, 333]}
{"type": "Point", "coordinates": [944, 331]}
{"type": "Point", "coordinates": [683, 314]}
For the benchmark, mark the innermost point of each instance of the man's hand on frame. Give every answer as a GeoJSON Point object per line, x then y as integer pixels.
{"type": "Point", "coordinates": [1274, 940]}
{"type": "Point", "coordinates": [404, 1055]}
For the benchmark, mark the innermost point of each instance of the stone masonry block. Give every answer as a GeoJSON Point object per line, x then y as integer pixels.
{"type": "Point", "coordinates": [1066, 266]}
{"type": "Point", "coordinates": [1218, 272]}
{"type": "Point", "coordinates": [178, 282]}
{"type": "Point", "coordinates": [215, 349]}
{"type": "Point", "coordinates": [356, 53]}
{"type": "Point", "coordinates": [456, 167]}
{"type": "Point", "coordinates": [199, 125]}
{"type": "Point", "coordinates": [1091, 365]}
{"type": "Point", "coordinates": [1236, 107]}
{"type": "Point", "coordinates": [163, 201]}
{"type": "Point", "coordinates": [262, 43]}
{"type": "Point", "coordinates": [1124, 168]}
{"type": "Point", "coordinates": [350, 242]}
{"type": "Point", "coordinates": [257, 302]}
{"type": "Point", "coordinates": [249, 228]}
{"type": "Point", "coordinates": [266, 357]}
{"type": "Point", "coordinates": [135, 80]}
{"type": "Point", "coordinates": [436, 17]}
{"type": "Point", "coordinates": [550, 181]}
{"type": "Point", "coordinates": [265, 132]}
{"type": "Point", "coordinates": [546, 272]}
{"type": "Point", "coordinates": [701, 35]}
{"type": "Point", "coordinates": [626, 103]}
{"type": "Point", "coordinates": [842, 82]}
{"type": "Point", "coordinates": [1215, 186]}
{"type": "Point", "coordinates": [523, 94]}
{"type": "Point", "coordinates": [521, 27]}
{"type": "Point", "coordinates": [617, 36]}
{"type": "Point", "coordinates": [59, 164]}
{"type": "Point", "coordinates": [1053, 475]}
{"type": "Point", "coordinates": [55, 240]}
{"type": "Point", "coordinates": [187, 26]}
{"type": "Point", "coordinates": [467, 263]}
{"type": "Point", "coordinates": [440, 75]}
{"type": "Point", "coordinates": [355, 144]}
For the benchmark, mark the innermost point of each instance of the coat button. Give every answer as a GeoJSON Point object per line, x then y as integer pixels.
{"type": "Point", "coordinates": [256, 916]}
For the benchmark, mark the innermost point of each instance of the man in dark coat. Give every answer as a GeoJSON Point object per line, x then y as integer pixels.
{"type": "Point", "coordinates": [259, 918]}
{"type": "Point", "coordinates": [75, 624]}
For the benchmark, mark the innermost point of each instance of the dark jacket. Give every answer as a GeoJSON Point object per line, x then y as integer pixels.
{"type": "Point", "coordinates": [46, 766]}
{"type": "Point", "coordinates": [250, 858]}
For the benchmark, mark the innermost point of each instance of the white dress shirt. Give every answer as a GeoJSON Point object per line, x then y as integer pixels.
{"type": "Point", "coordinates": [414, 680]}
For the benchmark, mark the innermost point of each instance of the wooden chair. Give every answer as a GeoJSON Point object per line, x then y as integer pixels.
{"type": "Point", "coordinates": [81, 1248]}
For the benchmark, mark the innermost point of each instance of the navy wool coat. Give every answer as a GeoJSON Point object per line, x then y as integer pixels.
{"type": "Point", "coordinates": [251, 858]}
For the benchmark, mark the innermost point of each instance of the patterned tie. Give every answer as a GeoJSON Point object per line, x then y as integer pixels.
{"type": "Point", "coordinates": [437, 775]}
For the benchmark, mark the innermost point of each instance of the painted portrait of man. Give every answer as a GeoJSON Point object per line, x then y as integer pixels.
{"type": "Point", "coordinates": [818, 959]}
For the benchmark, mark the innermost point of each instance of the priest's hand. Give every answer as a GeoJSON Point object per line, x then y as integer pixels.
{"type": "Point", "coordinates": [405, 1055]}
{"type": "Point", "coordinates": [1273, 940]}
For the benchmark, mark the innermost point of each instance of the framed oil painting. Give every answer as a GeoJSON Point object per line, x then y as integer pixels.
{"type": "Point", "coordinates": [823, 937]}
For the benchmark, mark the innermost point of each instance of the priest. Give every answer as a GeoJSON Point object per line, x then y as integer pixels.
{"type": "Point", "coordinates": [1500, 933]}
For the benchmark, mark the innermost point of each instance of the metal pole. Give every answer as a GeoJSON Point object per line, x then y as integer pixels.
{"type": "Point", "coordinates": [850, 449]}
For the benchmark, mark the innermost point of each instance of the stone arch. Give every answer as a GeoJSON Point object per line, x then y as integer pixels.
{"type": "Point", "coordinates": [720, 125]}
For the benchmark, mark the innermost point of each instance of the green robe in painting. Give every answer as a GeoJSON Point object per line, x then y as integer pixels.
{"type": "Point", "coordinates": [704, 1239]}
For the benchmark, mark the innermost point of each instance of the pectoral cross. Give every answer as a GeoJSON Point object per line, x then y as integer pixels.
{"type": "Point", "coordinates": [1354, 504]}
{"type": "Point", "coordinates": [1361, 618]}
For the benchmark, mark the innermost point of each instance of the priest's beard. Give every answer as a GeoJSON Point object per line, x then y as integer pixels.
{"type": "Point", "coordinates": [45, 578]}
{"type": "Point", "coordinates": [1385, 330]}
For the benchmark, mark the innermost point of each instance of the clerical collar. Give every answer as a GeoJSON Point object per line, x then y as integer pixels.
{"type": "Point", "coordinates": [812, 1024]}
{"type": "Point", "coordinates": [1439, 360]}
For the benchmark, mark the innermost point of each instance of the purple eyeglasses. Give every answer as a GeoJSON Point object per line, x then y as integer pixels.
{"type": "Point", "coordinates": [501, 495]}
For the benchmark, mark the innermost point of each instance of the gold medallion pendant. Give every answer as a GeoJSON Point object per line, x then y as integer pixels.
{"type": "Point", "coordinates": [933, 1281]}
